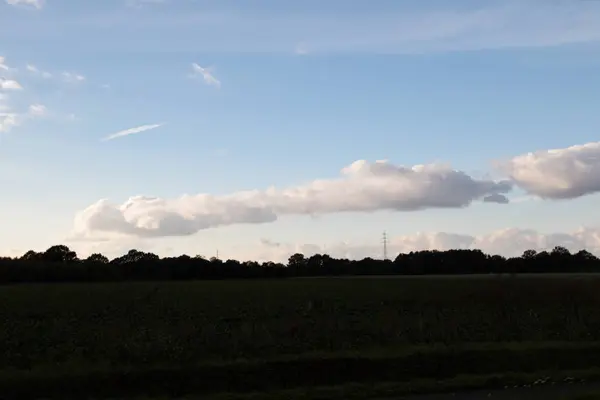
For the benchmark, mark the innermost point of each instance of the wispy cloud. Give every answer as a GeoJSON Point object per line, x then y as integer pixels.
{"type": "Point", "coordinates": [206, 74]}
{"type": "Point", "coordinates": [72, 77]}
{"type": "Point", "coordinates": [37, 4]}
{"type": "Point", "coordinates": [65, 76]}
{"type": "Point", "coordinates": [131, 131]}
{"type": "Point", "coordinates": [9, 120]}
{"type": "Point", "coordinates": [14, 114]}
{"type": "Point", "coordinates": [2, 65]}
{"type": "Point", "coordinates": [36, 71]}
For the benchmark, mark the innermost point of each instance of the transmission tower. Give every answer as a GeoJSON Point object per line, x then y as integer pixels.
{"type": "Point", "coordinates": [385, 242]}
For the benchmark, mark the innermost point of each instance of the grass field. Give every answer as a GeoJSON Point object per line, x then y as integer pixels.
{"type": "Point", "coordinates": [204, 338]}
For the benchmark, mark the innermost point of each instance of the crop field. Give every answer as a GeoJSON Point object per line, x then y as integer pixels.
{"type": "Point", "coordinates": [241, 337]}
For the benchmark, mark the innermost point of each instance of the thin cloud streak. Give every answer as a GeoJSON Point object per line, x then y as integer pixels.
{"type": "Point", "coordinates": [131, 131]}
{"type": "Point", "coordinates": [37, 4]}
{"type": "Point", "coordinates": [206, 74]}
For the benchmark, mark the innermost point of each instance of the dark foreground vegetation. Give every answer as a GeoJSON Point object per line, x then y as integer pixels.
{"type": "Point", "coordinates": [296, 338]}
{"type": "Point", "coordinates": [60, 264]}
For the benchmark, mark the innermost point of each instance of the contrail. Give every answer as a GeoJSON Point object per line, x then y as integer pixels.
{"type": "Point", "coordinates": [131, 131]}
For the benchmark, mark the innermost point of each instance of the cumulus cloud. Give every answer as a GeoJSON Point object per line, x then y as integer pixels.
{"type": "Point", "coordinates": [206, 74]}
{"type": "Point", "coordinates": [508, 242]}
{"type": "Point", "coordinates": [9, 84]}
{"type": "Point", "coordinates": [37, 4]}
{"type": "Point", "coordinates": [557, 173]}
{"type": "Point", "coordinates": [362, 187]}
{"type": "Point", "coordinates": [132, 131]}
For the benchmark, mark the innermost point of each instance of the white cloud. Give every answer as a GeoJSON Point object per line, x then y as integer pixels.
{"type": "Point", "coordinates": [36, 71]}
{"type": "Point", "coordinates": [558, 173]}
{"type": "Point", "coordinates": [363, 187]}
{"type": "Point", "coordinates": [9, 84]}
{"type": "Point", "coordinates": [206, 74]}
{"type": "Point", "coordinates": [9, 118]}
{"type": "Point", "coordinates": [8, 121]}
{"type": "Point", "coordinates": [38, 110]}
{"type": "Point", "coordinates": [132, 131]}
{"type": "Point", "coordinates": [3, 66]}
{"type": "Point", "coordinates": [37, 4]}
{"type": "Point", "coordinates": [72, 77]}
{"type": "Point", "coordinates": [509, 242]}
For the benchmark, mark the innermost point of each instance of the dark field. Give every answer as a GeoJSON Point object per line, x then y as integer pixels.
{"type": "Point", "coordinates": [350, 337]}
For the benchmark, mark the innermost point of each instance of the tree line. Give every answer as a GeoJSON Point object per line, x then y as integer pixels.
{"type": "Point", "coordinates": [61, 264]}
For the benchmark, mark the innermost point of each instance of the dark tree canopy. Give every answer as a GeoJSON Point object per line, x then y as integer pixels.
{"type": "Point", "coordinates": [61, 264]}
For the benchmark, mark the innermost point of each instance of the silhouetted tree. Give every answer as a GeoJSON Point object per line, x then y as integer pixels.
{"type": "Point", "coordinates": [97, 258]}
{"type": "Point", "coordinates": [59, 254]}
{"type": "Point", "coordinates": [60, 264]}
{"type": "Point", "coordinates": [529, 254]}
{"type": "Point", "coordinates": [31, 256]}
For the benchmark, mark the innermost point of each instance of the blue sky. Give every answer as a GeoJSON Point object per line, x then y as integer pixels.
{"type": "Point", "coordinates": [293, 92]}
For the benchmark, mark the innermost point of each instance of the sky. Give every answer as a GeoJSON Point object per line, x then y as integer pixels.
{"type": "Point", "coordinates": [257, 129]}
